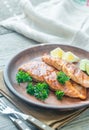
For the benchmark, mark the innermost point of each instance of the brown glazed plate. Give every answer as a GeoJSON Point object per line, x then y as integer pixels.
{"type": "Point", "coordinates": [35, 53]}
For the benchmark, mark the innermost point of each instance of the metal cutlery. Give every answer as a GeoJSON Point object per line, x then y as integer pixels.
{"type": "Point", "coordinates": [18, 122]}
{"type": "Point", "coordinates": [5, 109]}
{"type": "Point", "coordinates": [14, 117]}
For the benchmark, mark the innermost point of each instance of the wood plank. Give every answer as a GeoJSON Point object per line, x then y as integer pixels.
{"type": "Point", "coordinates": [10, 44]}
{"type": "Point", "coordinates": [6, 123]}
{"type": "Point", "coordinates": [80, 123]}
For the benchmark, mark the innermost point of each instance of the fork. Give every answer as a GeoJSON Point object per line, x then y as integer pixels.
{"type": "Point", "coordinates": [14, 118]}
{"type": "Point", "coordinates": [5, 109]}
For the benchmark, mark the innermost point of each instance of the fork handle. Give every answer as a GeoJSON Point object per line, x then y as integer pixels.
{"type": "Point", "coordinates": [21, 125]}
{"type": "Point", "coordinates": [38, 124]}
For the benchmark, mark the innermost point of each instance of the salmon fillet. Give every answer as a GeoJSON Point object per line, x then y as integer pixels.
{"type": "Point", "coordinates": [37, 70]}
{"type": "Point", "coordinates": [42, 72]}
{"type": "Point", "coordinates": [69, 69]}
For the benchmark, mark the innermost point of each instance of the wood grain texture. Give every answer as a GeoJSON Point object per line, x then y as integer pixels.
{"type": "Point", "coordinates": [35, 53]}
{"type": "Point", "coordinates": [12, 43]}
{"type": "Point", "coordinates": [5, 122]}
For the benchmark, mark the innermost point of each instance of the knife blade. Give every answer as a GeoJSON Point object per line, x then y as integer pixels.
{"type": "Point", "coordinates": [34, 121]}
{"type": "Point", "coordinates": [20, 124]}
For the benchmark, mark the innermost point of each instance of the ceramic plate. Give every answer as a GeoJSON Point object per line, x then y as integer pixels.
{"type": "Point", "coordinates": [33, 53]}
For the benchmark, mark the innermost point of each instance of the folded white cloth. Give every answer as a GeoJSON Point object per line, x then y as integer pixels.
{"type": "Point", "coordinates": [53, 21]}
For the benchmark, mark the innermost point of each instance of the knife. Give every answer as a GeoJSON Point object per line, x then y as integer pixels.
{"type": "Point", "coordinates": [34, 121]}
{"type": "Point", "coordinates": [5, 109]}
{"type": "Point", "coordinates": [20, 124]}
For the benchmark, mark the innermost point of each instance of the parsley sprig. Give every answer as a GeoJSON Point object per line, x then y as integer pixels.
{"type": "Point", "coordinates": [23, 77]}
{"type": "Point", "coordinates": [39, 90]}
{"type": "Point", "coordinates": [59, 94]}
{"type": "Point", "coordinates": [62, 77]}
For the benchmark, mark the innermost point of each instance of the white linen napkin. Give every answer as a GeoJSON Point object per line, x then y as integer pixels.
{"type": "Point", "coordinates": [53, 21]}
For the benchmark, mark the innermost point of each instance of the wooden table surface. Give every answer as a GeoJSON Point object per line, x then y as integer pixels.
{"type": "Point", "coordinates": [10, 44]}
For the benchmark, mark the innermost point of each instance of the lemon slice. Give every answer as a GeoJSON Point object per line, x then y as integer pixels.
{"type": "Point", "coordinates": [70, 57]}
{"type": "Point", "coordinates": [82, 64]}
{"type": "Point", "coordinates": [57, 52]}
{"type": "Point", "coordinates": [87, 68]}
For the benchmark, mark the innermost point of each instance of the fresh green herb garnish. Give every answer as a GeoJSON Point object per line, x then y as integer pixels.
{"type": "Point", "coordinates": [39, 90]}
{"type": "Point", "coordinates": [59, 94]}
{"type": "Point", "coordinates": [23, 77]}
{"type": "Point", "coordinates": [62, 77]}
{"type": "Point", "coordinates": [30, 89]}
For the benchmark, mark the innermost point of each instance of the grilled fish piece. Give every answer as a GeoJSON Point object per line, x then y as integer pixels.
{"type": "Point", "coordinates": [70, 88]}
{"type": "Point", "coordinates": [42, 72]}
{"type": "Point", "coordinates": [69, 69]}
{"type": "Point", "coordinates": [37, 70]}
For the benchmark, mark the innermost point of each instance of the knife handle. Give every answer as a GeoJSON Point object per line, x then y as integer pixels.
{"type": "Point", "coordinates": [38, 124]}
{"type": "Point", "coordinates": [21, 125]}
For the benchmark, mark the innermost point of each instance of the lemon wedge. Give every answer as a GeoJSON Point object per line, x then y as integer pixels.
{"type": "Point", "coordinates": [87, 67]}
{"type": "Point", "coordinates": [82, 64]}
{"type": "Point", "coordinates": [70, 57]}
{"type": "Point", "coordinates": [57, 52]}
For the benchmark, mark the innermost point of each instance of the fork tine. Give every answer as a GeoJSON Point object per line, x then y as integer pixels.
{"type": "Point", "coordinates": [13, 116]}
{"type": "Point", "coordinates": [4, 108]}
{"type": "Point", "coordinates": [3, 103]}
{"type": "Point", "coordinates": [1, 107]}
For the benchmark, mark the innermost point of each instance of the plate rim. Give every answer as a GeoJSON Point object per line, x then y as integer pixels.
{"type": "Point", "coordinates": [16, 93]}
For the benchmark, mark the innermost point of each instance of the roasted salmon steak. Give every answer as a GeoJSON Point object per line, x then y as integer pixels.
{"type": "Point", "coordinates": [69, 69]}
{"type": "Point", "coordinates": [42, 72]}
